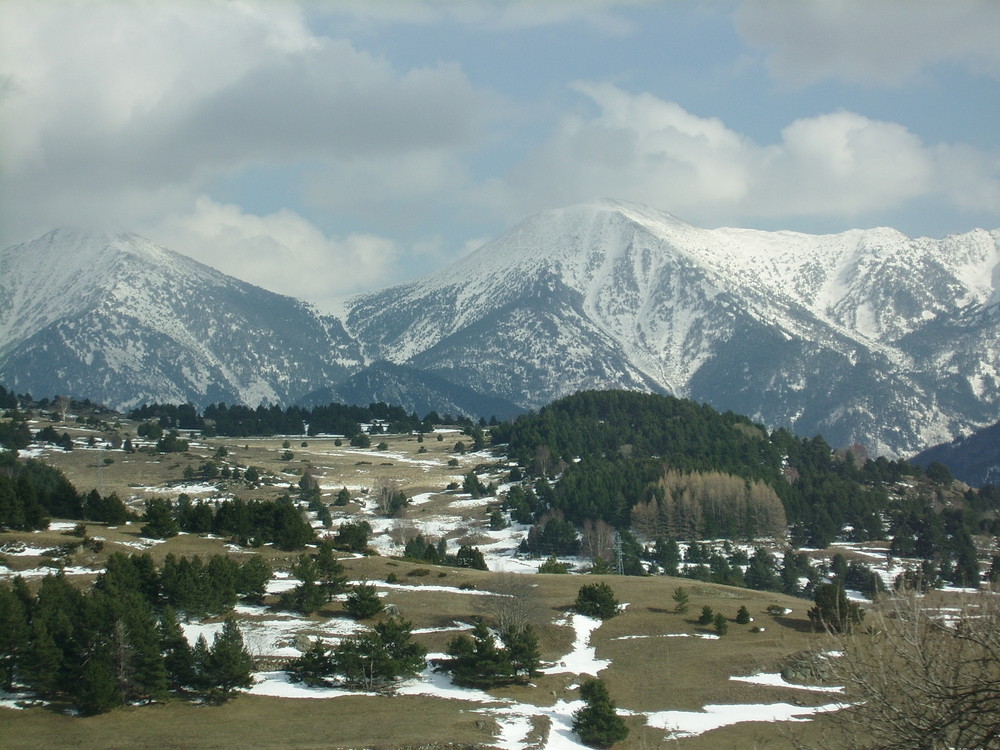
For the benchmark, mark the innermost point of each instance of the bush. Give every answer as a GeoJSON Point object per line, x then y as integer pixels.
{"type": "Point", "coordinates": [596, 600]}
{"type": "Point", "coordinates": [552, 565]}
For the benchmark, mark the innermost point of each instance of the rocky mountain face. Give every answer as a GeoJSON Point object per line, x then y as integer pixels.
{"type": "Point", "coordinates": [867, 336]}
{"type": "Point", "coordinates": [117, 319]}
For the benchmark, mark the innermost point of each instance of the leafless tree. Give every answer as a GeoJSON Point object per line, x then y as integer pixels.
{"type": "Point", "coordinates": [514, 604]}
{"type": "Point", "coordinates": [598, 540]}
{"type": "Point", "coordinates": [921, 677]}
{"type": "Point", "coordinates": [385, 492]}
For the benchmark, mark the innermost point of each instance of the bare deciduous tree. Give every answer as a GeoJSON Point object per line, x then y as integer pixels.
{"type": "Point", "coordinates": [920, 676]}
{"type": "Point", "coordinates": [515, 602]}
{"type": "Point", "coordinates": [598, 540]}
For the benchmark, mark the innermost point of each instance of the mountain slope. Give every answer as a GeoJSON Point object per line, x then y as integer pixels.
{"type": "Point", "coordinates": [864, 336]}
{"type": "Point", "coordinates": [975, 459]}
{"type": "Point", "coordinates": [417, 391]}
{"type": "Point", "coordinates": [118, 319]}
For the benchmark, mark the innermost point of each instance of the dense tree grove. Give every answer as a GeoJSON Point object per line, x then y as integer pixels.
{"type": "Point", "coordinates": [32, 492]}
{"type": "Point", "coordinates": [121, 641]}
{"type": "Point", "coordinates": [672, 470]}
{"type": "Point", "coordinates": [249, 522]}
{"type": "Point", "coordinates": [676, 468]}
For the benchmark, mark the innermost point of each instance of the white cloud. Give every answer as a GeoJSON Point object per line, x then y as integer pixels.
{"type": "Point", "coordinates": [282, 251]}
{"type": "Point", "coordinates": [125, 105]}
{"type": "Point", "coordinates": [871, 43]}
{"type": "Point", "coordinates": [840, 164]}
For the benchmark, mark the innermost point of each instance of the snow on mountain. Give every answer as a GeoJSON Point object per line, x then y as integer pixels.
{"type": "Point", "coordinates": [118, 319]}
{"type": "Point", "coordinates": [866, 335]}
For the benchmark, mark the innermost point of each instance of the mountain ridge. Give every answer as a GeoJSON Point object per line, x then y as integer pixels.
{"type": "Point", "coordinates": [864, 336]}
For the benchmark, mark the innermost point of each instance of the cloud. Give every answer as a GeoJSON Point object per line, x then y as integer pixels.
{"type": "Point", "coordinates": [150, 102]}
{"type": "Point", "coordinates": [839, 164]}
{"type": "Point", "coordinates": [492, 15]}
{"type": "Point", "coordinates": [871, 43]}
{"type": "Point", "coordinates": [281, 251]}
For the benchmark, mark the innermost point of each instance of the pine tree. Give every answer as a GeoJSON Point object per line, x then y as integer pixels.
{"type": "Point", "coordinates": [331, 570]}
{"type": "Point", "coordinates": [707, 616]}
{"type": "Point", "coordinates": [363, 601]}
{"type": "Point", "coordinates": [596, 600]}
{"type": "Point", "coordinates": [160, 521]}
{"type": "Point", "coordinates": [314, 667]}
{"type": "Point", "coordinates": [743, 616]}
{"type": "Point", "coordinates": [309, 595]}
{"type": "Point", "coordinates": [721, 623]}
{"type": "Point", "coordinates": [97, 690]}
{"type": "Point", "coordinates": [522, 652]}
{"type": "Point", "coordinates": [681, 600]}
{"type": "Point", "coordinates": [14, 636]}
{"type": "Point", "coordinates": [598, 723]}
{"type": "Point", "coordinates": [178, 657]}
{"type": "Point", "coordinates": [229, 664]}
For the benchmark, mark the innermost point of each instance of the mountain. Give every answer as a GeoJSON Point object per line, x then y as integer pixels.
{"type": "Point", "coordinates": [866, 336]}
{"type": "Point", "coordinates": [415, 390]}
{"type": "Point", "coordinates": [115, 318]}
{"type": "Point", "coordinates": [975, 459]}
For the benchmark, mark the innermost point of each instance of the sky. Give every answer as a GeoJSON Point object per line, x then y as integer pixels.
{"type": "Point", "coordinates": [325, 148]}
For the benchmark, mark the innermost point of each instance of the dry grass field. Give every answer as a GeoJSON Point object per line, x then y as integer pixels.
{"type": "Point", "coordinates": [656, 660]}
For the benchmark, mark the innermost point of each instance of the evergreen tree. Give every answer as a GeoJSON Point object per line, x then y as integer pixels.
{"type": "Point", "coordinates": [178, 657]}
{"type": "Point", "coordinates": [15, 636]}
{"type": "Point", "coordinates": [598, 723]}
{"type": "Point", "coordinates": [596, 600]}
{"type": "Point", "coordinates": [314, 667]}
{"type": "Point", "coordinates": [253, 577]}
{"type": "Point", "coordinates": [707, 616]}
{"type": "Point", "coordinates": [97, 690]}
{"type": "Point", "coordinates": [228, 665]}
{"type": "Point", "coordinates": [309, 595]}
{"type": "Point", "coordinates": [381, 655]}
{"type": "Point", "coordinates": [159, 518]}
{"type": "Point", "coordinates": [833, 610]}
{"type": "Point", "coordinates": [470, 557]}
{"type": "Point", "coordinates": [743, 616]}
{"type": "Point", "coordinates": [476, 661]}
{"type": "Point", "coordinates": [681, 600]}
{"type": "Point", "coordinates": [720, 623]}
{"type": "Point", "coordinates": [363, 601]}
{"type": "Point", "coordinates": [523, 654]}
{"type": "Point", "coordinates": [332, 578]}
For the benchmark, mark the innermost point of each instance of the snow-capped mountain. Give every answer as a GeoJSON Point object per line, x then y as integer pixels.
{"type": "Point", "coordinates": [117, 319]}
{"type": "Point", "coordinates": [866, 336]}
